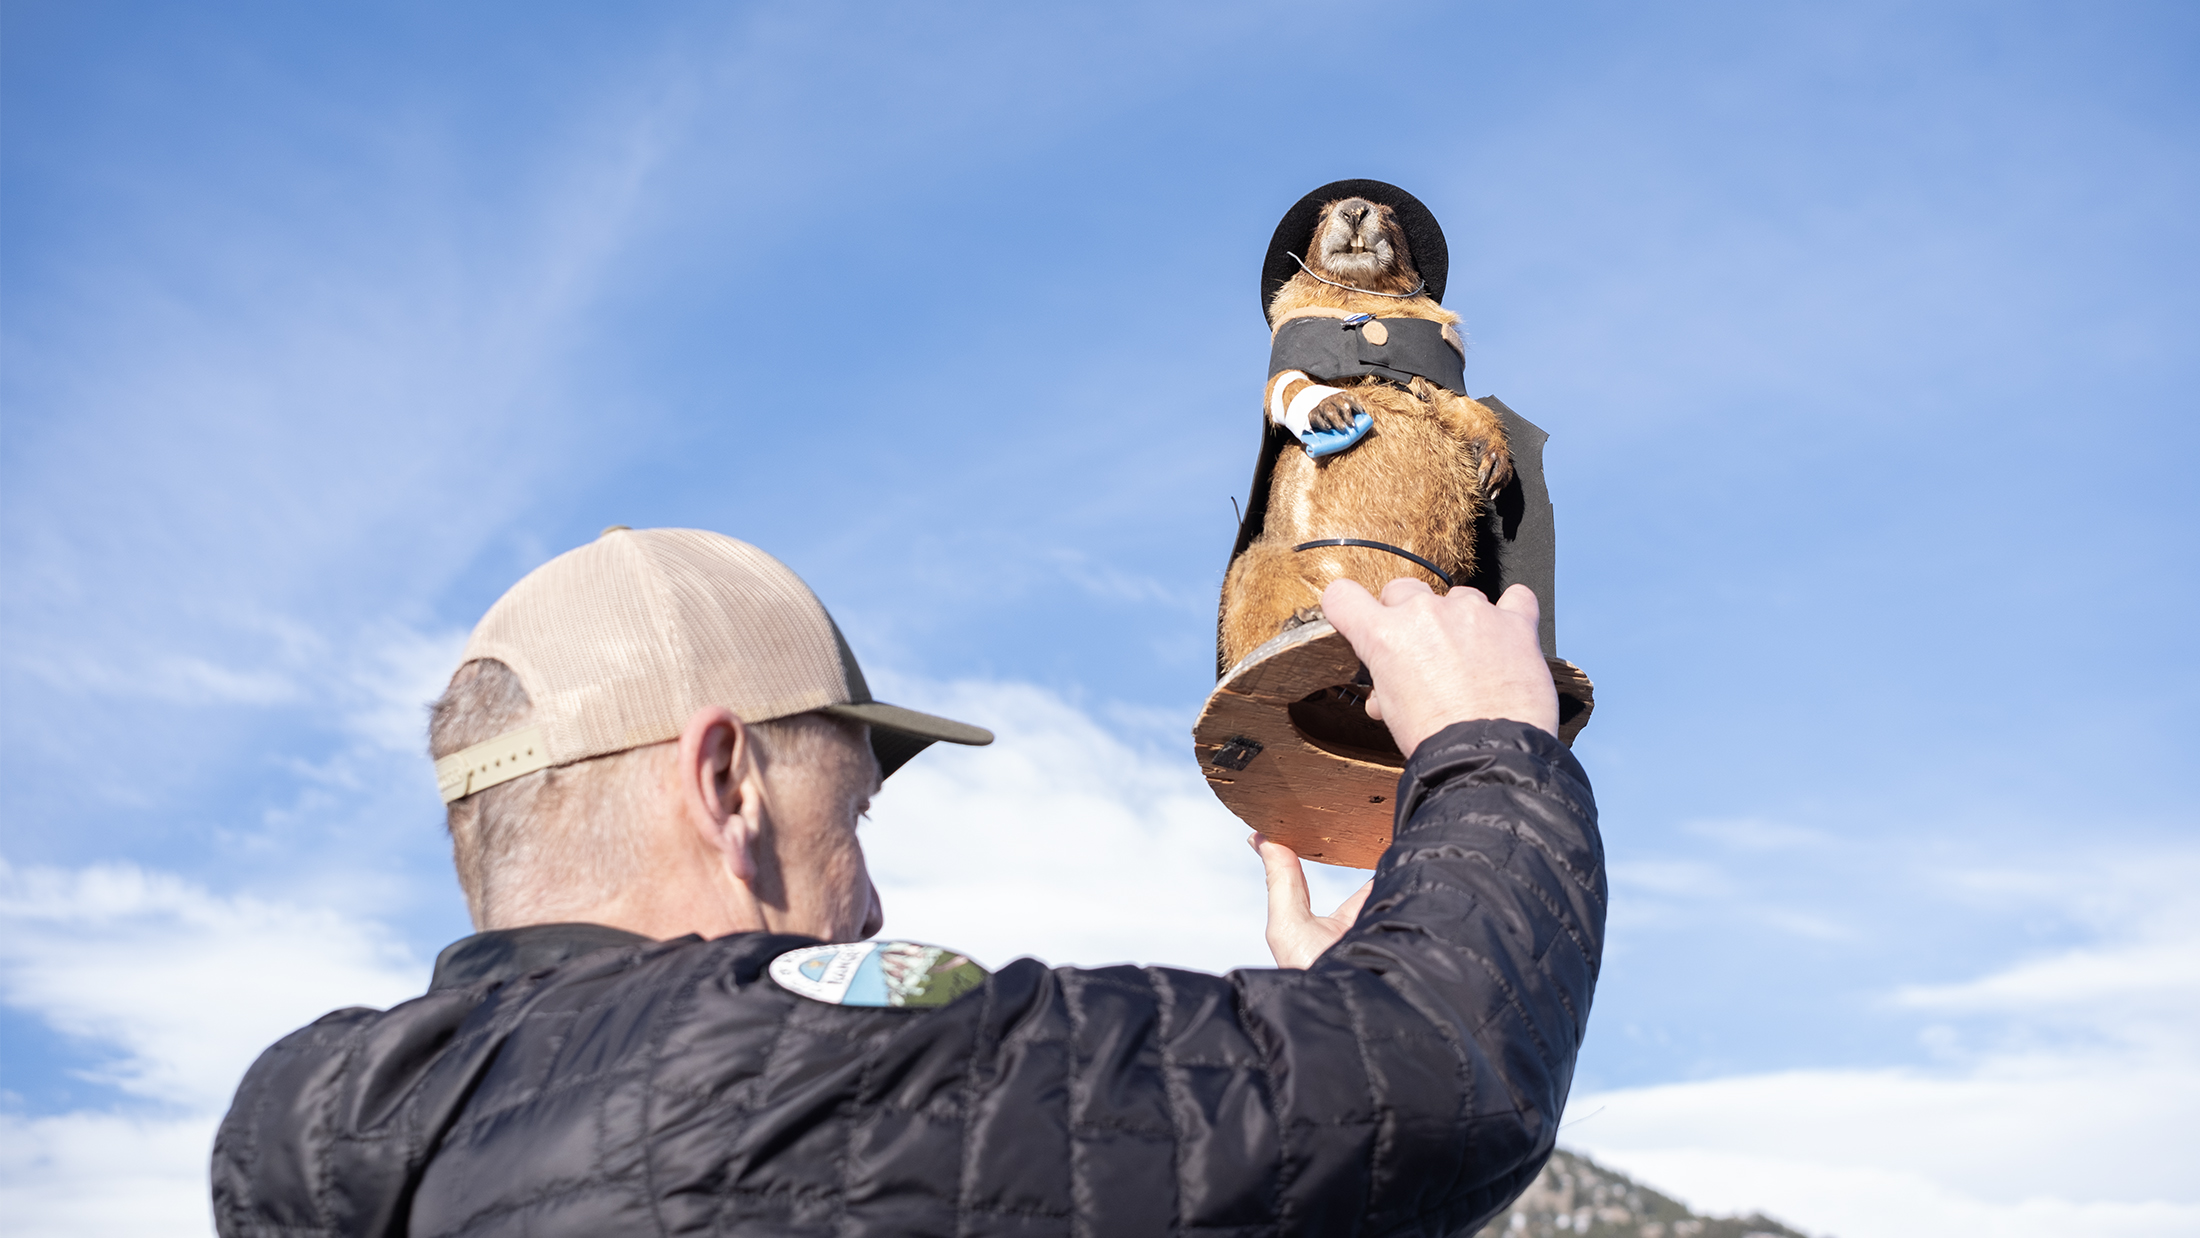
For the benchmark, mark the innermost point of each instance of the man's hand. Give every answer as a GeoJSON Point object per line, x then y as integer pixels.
{"type": "Point", "coordinates": [1439, 660]}
{"type": "Point", "coordinates": [1296, 936]}
{"type": "Point", "coordinates": [1435, 661]}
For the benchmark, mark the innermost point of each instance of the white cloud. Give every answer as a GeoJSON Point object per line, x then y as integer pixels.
{"type": "Point", "coordinates": [2069, 1111]}
{"type": "Point", "coordinates": [2126, 993]}
{"type": "Point", "coordinates": [86, 1174]}
{"type": "Point", "coordinates": [1066, 842]}
{"type": "Point", "coordinates": [2040, 1132]}
{"type": "Point", "coordinates": [2137, 989]}
{"type": "Point", "coordinates": [1850, 1200]}
{"type": "Point", "coordinates": [183, 988]}
{"type": "Point", "coordinates": [186, 985]}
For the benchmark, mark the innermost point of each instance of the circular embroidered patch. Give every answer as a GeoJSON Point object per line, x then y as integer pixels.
{"type": "Point", "coordinates": [877, 973]}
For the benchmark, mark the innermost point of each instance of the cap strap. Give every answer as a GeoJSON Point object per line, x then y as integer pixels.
{"type": "Point", "coordinates": [484, 765]}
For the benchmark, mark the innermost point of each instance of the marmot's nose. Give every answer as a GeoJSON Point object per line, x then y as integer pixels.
{"type": "Point", "coordinates": [1354, 211]}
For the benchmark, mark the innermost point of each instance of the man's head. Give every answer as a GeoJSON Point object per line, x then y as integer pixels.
{"type": "Point", "coordinates": [665, 732]}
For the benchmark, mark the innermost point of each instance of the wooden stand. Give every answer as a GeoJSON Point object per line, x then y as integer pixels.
{"type": "Point", "coordinates": [1285, 741]}
{"type": "Point", "coordinates": [1286, 744]}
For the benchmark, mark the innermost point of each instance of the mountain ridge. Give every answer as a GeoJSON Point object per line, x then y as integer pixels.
{"type": "Point", "coordinates": [1575, 1197]}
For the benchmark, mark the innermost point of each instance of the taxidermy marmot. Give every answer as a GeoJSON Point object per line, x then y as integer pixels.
{"type": "Point", "coordinates": [1362, 305]}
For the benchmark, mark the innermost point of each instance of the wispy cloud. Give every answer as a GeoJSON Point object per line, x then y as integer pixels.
{"type": "Point", "coordinates": [389, 687]}
{"type": "Point", "coordinates": [1112, 584]}
{"type": "Point", "coordinates": [1658, 890]}
{"type": "Point", "coordinates": [300, 422]}
{"type": "Point", "coordinates": [2098, 985]}
{"type": "Point", "coordinates": [1688, 879]}
{"type": "Point", "coordinates": [1756, 834]}
{"type": "Point", "coordinates": [2134, 988]}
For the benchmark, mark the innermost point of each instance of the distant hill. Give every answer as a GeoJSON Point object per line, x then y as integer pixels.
{"type": "Point", "coordinates": [1575, 1197]}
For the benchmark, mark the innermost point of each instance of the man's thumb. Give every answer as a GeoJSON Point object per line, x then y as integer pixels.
{"type": "Point", "coordinates": [1347, 604]}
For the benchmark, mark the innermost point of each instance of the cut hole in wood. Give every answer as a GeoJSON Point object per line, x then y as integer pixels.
{"type": "Point", "coordinates": [1335, 720]}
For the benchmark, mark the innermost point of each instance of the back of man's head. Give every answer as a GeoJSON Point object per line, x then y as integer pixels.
{"type": "Point", "coordinates": [557, 741]}
{"type": "Point", "coordinates": [547, 846]}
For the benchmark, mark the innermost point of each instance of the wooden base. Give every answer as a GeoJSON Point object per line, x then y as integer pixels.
{"type": "Point", "coordinates": [1286, 744]}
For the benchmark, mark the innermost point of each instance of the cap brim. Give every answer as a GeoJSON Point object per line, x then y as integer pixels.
{"type": "Point", "coordinates": [898, 734]}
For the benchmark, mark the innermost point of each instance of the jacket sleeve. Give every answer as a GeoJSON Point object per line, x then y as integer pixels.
{"type": "Point", "coordinates": [1409, 1082]}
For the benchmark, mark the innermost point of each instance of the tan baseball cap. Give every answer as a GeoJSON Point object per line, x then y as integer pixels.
{"type": "Point", "coordinates": [619, 642]}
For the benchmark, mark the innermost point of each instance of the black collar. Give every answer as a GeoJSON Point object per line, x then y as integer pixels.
{"type": "Point", "coordinates": [507, 954]}
{"type": "Point", "coordinates": [1324, 348]}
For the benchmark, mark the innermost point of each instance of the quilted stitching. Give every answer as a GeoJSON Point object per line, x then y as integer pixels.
{"type": "Point", "coordinates": [1409, 1083]}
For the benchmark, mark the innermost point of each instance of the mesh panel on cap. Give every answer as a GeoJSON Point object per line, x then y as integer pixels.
{"type": "Point", "coordinates": [620, 641]}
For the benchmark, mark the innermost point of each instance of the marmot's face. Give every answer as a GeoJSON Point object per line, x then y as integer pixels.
{"type": "Point", "coordinates": [1360, 242]}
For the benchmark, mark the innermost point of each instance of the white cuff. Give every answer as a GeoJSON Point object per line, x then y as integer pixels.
{"type": "Point", "coordinates": [1293, 418]}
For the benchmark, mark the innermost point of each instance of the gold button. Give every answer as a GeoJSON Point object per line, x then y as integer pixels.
{"type": "Point", "coordinates": [1375, 333]}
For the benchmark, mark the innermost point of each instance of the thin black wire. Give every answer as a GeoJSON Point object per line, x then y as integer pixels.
{"type": "Point", "coordinates": [1441, 574]}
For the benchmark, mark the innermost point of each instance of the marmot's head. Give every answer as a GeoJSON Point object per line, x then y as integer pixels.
{"type": "Point", "coordinates": [1360, 243]}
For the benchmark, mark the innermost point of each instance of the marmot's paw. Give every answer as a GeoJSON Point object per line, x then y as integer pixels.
{"type": "Point", "coordinates": [1496, 466]}
{"type": "Point", "coordinates": [1336, 412]}
{"type": "Point", "coordinates": [1300, 618]}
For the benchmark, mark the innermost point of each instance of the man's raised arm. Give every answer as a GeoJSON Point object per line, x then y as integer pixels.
{"type": "Point", "coordinates": [1410, 1078]}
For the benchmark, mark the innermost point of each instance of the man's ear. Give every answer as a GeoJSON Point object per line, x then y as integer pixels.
{"type": "Point", "coordinates": [713, 785]}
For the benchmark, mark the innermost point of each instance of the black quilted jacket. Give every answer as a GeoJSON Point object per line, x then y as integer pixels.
{"type": "Point", "coordinates": [1410, 1082]}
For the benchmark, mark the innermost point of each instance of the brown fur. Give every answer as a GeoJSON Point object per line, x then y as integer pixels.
{"type": "Point", "coordinates": [1417, 481]}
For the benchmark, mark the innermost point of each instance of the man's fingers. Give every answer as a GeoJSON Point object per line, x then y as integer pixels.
{"type": "Point", "coordinates": [1520, 600]}
{"type": "Point", "coordinates": [1289, 901]}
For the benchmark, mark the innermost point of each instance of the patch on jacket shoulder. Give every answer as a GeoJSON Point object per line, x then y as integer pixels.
{"type": "Point", "coordinates": [877, 973]}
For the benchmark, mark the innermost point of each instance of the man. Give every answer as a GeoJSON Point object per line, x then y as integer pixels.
{"type": "Point", "coordinates": [655, 752]}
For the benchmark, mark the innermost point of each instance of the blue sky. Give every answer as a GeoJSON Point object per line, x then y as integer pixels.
{"type": "Point", "coordinates": [1862, 332]}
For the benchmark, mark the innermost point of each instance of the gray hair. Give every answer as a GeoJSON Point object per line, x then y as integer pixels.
{"type": "Point", "coordinates": [549, 845]}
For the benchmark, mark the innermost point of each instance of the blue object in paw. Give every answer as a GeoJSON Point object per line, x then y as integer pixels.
{"type": "Point", "coordinates": [1321, 443]}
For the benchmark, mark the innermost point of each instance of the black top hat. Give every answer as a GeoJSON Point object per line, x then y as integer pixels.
{"type": "Point", "coordinates": [1426, 239]}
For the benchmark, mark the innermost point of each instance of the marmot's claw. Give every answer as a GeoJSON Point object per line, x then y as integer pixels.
{"type": "Point", "coordinates": [1496, 467]}
{"type": "Point", "coordinates": [1334, 413]}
